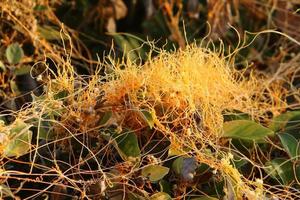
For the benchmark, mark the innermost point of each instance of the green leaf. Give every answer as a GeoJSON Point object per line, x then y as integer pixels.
{"type": "Point", "coordinates": [290, 144]}
{"type": "Point", "coordinates": [281, 122]}
{"type": "Point", "coordinates": [160, 196]}
{"type": "Point", "coordinates": [127, 46]}
{"type": "Point", "coordinates": [40, 8]}
{"type": "Point", "coordinates": [174, 151]}
{"type": "Point", "coordinates": [61, 95]}
{"type": "Point", "coordinates": [44, 127]}
{"type": "Point", "coordinates": [50, 33]}
{"type": "Point", "coordinates": [2, 121]}
{"type": "Point", "coordinates": [236, 115]}
{"type": "Point", "coordinates": [147, 117]}
{"type": "Point", "coordinates": [14, 87]}
{"type": "Point", "coordinates": [246, 129]}
{"type": "Point", "coordinates": [127, 145]}
{"type": "Point", "coordinates": [2, 66]}
{"type": "Point", "coordinates": [14, 53]}
{"type": "Point", "coordinates": [185, 167]}
{"type": "Point", "coordinates": [177, 165]}
{"type": "Point", "coordinates": [165, 186]}
{"type": "Point", "coordinates": [45, 134]}
{"type": "Point", "coordinates": [238, 161]}
{"type": "Point", "coordinates": [19, 141]}
{"type": "Point", "coordinates": [203, 168]}
{"type": "Point", "coordinates": [105, 118]}
{"type": "Point", "coordinates": [154, 172]}
{"type": "Point", "coordinates": [281, 168]}
{"type": "Point", "coordinates": [22, 70]}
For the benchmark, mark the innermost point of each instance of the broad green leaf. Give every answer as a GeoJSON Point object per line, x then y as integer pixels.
{"type": "Point", "coordinates": [280, 122]}
{"type": "Point", "coordinates": [185, 167]}
{"type": "Point", "coordinates": [127, 46]}
{"type": "Point", "coordinates": [22, 70]}
{"type": "Point", "coordinates": [202, 169]}
{"type": "Point", "coordinates": [174, 151]}
{"type": "Point", "coordinates": [44, 127]}
{"type": "Point", "coordinates": [147, 117]}
{"type": "Point", "coordinates": [160, 196]}
{"type": "Point", "coordinates": [14, 53]}
{"type": "Point", "coordinates": [105, 118]}
{"type": "Point", "coordinates": [2, 66]}
{"type": "Point", "coordinates": [281, 168]}
{"type": "Point", "coordinates": [290, 144]}
{"type": "Point", "coordinates": [50, 33]}
{"type": "Point", "coordinates": [14, 88]}
{"type": "Point", "coordinates": [19, 141]}
{"type": "Point", "coordinates": [238, 161]}
{"type": "Point", "coordinates": [246, 129]}
{"type": "Point", "coordinates": [177, 165]}
{"type": "Point", "coordinates": [135, 43]}
{"type": "Point", "coordinates": [165, 186]}
{"type": "Point", "coordinates": [2, 121]}
{"type": "Point", "coordinates": [61, 95]}
{"type": "Point", "coordinates": [154, 172]}
{"type": "Point", "coordinates": [156, 146]}
{"type": "Point", "coordinates": [157, 26]}
{"type": "Point", "coordinates": [236, 115]}
{"type": "Point", "coordinates": [45, 133]}
{"type": "Point", "coordinates": [127, 145]}
{"type": "Point", "coordinates": [40, 8]}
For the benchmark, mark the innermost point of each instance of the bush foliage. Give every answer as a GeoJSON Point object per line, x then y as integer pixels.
{"type": "Point", "coordinates": [153, 99]}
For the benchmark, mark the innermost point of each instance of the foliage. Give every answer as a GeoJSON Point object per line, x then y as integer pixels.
{"type": "Point", "coordinates": [121, 99]}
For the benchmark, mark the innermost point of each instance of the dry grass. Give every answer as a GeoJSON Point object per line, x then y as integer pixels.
{"type": "Point", "coordinates": [187, 94]}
